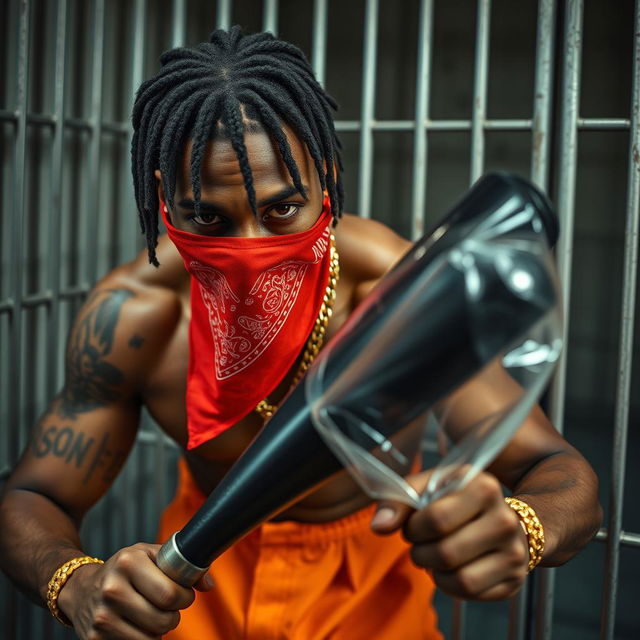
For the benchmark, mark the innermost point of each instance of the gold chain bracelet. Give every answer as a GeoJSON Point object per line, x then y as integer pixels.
{"type": "Point", "coordinates": [59, 579]}
{"type": "Point", "coordinates": [532, 527]}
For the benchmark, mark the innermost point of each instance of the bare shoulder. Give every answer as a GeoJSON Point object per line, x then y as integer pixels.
{"type": "Point", "coordinates": [368, 249]}
{"type": "Point", "coordinates": [131, 314]}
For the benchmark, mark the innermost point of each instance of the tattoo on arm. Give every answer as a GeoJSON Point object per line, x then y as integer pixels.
{"type": "Point", "coordinates": [91, 382]}
{"type": "Point", "coordinates": [136, 341]}
{"type": "Point", "coordinates": [79, 450]}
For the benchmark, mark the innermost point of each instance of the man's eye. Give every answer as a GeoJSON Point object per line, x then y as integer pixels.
{"type": "Point", "coordinates": [205, 219]}
{"type": "Point", "coordinates": [282, 211]}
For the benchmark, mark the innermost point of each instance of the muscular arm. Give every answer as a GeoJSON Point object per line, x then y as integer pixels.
{"type": "Point", "coordinates": [538, 465]}
{"type": "Point", "coordinates": [77, 448]}
{"type": "Point", "coordinates": [471, 540]}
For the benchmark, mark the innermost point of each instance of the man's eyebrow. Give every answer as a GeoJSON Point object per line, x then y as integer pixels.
{"type": "Point", "coordinates": [283, 194]}
{"type": "Point", "coordinates": [187, 203]}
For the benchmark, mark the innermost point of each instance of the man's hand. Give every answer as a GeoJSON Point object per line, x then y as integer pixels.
{"type": "Point", "coordinates": [128, 598]}
{"type": "Point", "coordinates": [471, 540]}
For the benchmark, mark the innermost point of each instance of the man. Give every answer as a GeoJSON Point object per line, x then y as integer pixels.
{"type": "Point", "coordinates": [235, 148]}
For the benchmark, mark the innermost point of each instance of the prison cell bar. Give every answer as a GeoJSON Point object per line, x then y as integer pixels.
{"type": "Point", "coordinates": [319, 39]}
{"type": "Point", "coordinates": [95, 121]}
{"type": "Point", "coordinates": [564, 252]}
{"type": "Point", "coordinates": [270, 18]}
{"type": "Point", "coordinates": [367, 108]}
{"type": "Point", "coordinates": [223, 14]}
{"type": "Point", "coordinates": [540, 161]}
{"type": "Point", "coordinates": [16, 233]}
{"type": "Point", "coordinates": [481, 72]}
{"type": "Point", "coordinates": [53, 274]}
{"type": "Point", "coordinates": [423, 75]}
{"type": "Point", "coordinates": [625, 355]}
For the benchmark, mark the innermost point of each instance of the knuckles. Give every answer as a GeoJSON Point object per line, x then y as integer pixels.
{"type": "Point", "coordinates": [488, 488]}
{"type": "Point", "coordinates": [168, 598]}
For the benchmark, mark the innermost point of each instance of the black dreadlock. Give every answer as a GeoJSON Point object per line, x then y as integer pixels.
{"type": "Point", "coordinates": [199, 88]}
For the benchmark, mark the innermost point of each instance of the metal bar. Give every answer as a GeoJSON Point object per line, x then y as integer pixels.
{"type": "Point", "coordinates": [44, 120]}
{"type": "Point", "coordinates": [16, 232]}
{"type": "Point", "coordinates": [541, 133]}
{"type": "Point", "coordinates": [44, 297]}
{"type": "Point", "coordinates": [319, 45]}
{"type": "Point", "coordinates": [435, 125]}
{"type": "Point", "coordinates": [604, 124]}
{"type": "Point", "coordinates": [625, 354]}
{"type": "Point", "coordinates": [459, 619]}
{"type": "Point", "coordinates": [626, 539]}
{"type": "Point", "coordinates": [543, 87]}
{"type": "Point", "coordinates": [367, 109]}
{"type": "Point", "coordinates": [270, 16]}
{"type": "Point", "coordinates": [518, 614]}
{"type": "Point", "coordinates": [564, 251]}
{"type": "Point", "coordinates": [53, 274]}
{"type": "Point", "coordinates": [223, 14]}
{"type": "Point", "coordinates": [423, 73]}
{"type": "Point", "coordinates": [127, 240]}
{"type": "Point", "coordinates": [481, 73]}
{"type": "Point", "coordinates": [7, 115]}
{"type": "Point", "coordinates": [178, 23]}
{"type": "Point", "coordinates": [94, 144]}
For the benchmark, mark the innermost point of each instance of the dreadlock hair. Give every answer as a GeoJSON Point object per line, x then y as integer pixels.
{"type": "Point", "coordinates": [201, 89]}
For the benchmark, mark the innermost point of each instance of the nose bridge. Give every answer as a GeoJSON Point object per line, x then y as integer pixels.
{"type": "Point", "coordinates": [248, 226]}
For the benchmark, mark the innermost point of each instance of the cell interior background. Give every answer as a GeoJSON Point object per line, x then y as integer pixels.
{"type": "Point", "coordinates": [432, 94]}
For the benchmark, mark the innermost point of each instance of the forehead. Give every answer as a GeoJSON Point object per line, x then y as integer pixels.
{"type": "Point", "coordinates": [220, 165]}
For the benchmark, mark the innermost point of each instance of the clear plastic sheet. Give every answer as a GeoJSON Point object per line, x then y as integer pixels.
{"type": "Point", "coordinates": [366, 420]}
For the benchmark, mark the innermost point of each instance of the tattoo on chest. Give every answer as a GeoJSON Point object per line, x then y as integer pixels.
{"type": "Point", "coordinates": [91, 382]}
{"type": "Point", "coordinates": [79, 450]}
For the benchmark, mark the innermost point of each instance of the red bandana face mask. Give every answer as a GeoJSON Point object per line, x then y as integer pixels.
{"type": "Point", "coordinates": [254, 302]}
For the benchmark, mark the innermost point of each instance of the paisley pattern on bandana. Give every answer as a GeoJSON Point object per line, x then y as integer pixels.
{"type": "Point", "coordinates": [243, 329]}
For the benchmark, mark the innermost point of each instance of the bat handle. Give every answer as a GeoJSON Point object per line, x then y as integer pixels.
{"type": "Point", "coordinates": [176, 566]}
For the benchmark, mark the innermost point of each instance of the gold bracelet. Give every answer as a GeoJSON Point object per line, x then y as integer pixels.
{"type": "Point", "coordinates": [58, 581]}
{"type": "Point", "coordinates": [532, 527]}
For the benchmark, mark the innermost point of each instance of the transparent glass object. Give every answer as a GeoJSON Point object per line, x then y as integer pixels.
{"type": "Point", "coordinates": [493, 302]}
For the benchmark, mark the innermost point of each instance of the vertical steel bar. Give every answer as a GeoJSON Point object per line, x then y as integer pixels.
{"type": "Point", "coordinates": [518, 614]}
{"type": "Point", "coordinates": [625, 355]}
{"type": "Point", "coordinates": [564, 251]}
{"type": "Point", "coordinates": [53, 275]}
{"type": "Point", "coordinates": [126, 231]}
{"type": "Point", "coordinates": [16, 222]}
{"type": "Point", "coordinates": [178, 23]}
{"type": "Point", "coordinates": [223, 13]}
{"type": "Point", "coordinates": [95, 120]}
{"type": "Point", "coordinates": [367, 109]}
{"type": "Point", "coordinates": [319, 45]}
{"type": "Point", "coordinates": [423, 73]}
{"type": "Point", "coordinates": [567, 181]}
{"type": "Point", "coordinates": [542, 94]}
{"type": "Point", "coordinates": [16, 231]}
{"type": "Point", "coordinates": [541, 145]}
{"type": "Point", "coordinates": [270, 17]}
{"type": "Point", "coordinates": [459, 619]}
{"type": "Point", "coordinates": [481, 72]}
{"type": "Point", "coordinates": [130, 242]}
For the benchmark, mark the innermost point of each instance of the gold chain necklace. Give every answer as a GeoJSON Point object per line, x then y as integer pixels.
{"type": "Point", "coordinates": [316, 339]}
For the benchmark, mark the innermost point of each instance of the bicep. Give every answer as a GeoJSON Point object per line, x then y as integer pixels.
{"type": "Point", "coordinates": [84, 437]}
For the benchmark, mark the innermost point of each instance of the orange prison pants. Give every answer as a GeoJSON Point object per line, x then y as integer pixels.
{"type": "Point", "coordinates": [299, 581]}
